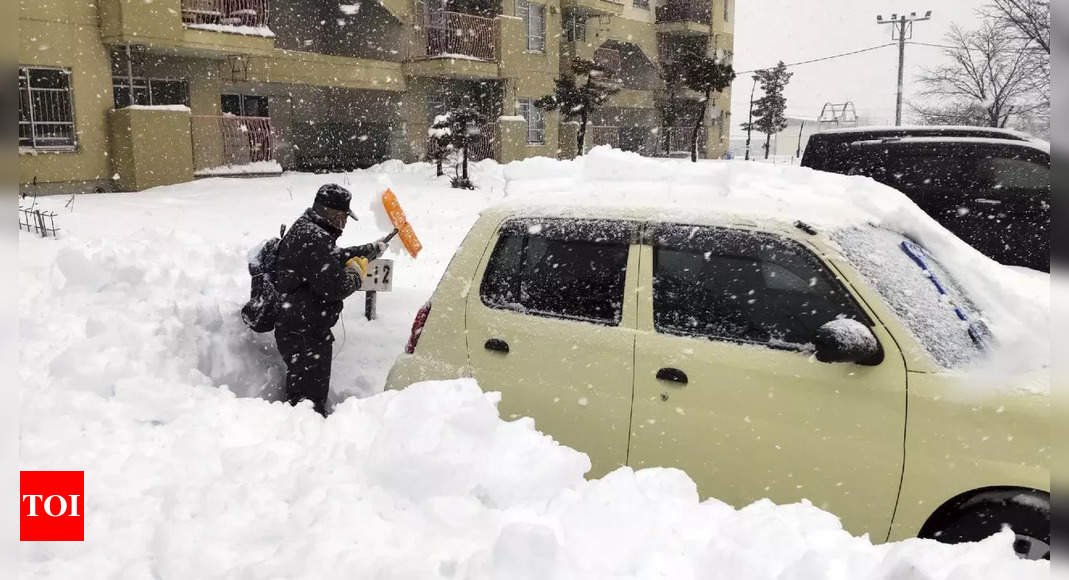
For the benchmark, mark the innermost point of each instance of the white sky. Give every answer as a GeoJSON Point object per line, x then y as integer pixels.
{"type": "Point", "coordinates": [767, 31]}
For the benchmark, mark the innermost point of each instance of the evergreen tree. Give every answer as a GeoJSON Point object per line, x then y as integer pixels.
{"type": "Point", "coordinates": [455, 131]}
{"type": "Point", "coordinates": [579, 94]}
{"type": "Point", "coordinates": [770, 110]}
{"type": "Point", "coordinates": [707, 76]}
{"type": "Point", "coordinates": [673, 73]}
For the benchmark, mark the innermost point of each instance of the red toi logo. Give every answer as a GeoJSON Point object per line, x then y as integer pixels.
{"type": "Point", "coordinates": [51, 506]}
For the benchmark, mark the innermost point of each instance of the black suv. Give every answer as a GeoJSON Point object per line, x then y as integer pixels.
{"type": "Point", "coordinates": [989, 186]}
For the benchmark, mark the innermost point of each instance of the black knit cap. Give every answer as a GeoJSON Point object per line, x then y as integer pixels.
{"type": "Point", "coordinates": [336, 197]}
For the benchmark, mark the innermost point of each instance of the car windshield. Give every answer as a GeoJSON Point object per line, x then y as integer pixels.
{"type": "Point", "coordinates": [920, 291]}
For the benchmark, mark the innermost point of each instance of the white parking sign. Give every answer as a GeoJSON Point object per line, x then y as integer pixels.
{"type": "Point", "coordinates": [379, 276]}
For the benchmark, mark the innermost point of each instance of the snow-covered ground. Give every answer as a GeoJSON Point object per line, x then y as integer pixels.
{"type": "Point", "coordinates": [136, 368]}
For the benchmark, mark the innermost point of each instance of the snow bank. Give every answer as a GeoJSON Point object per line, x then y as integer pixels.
{"type": "Point", "coordinates": [137, 369]}
{"type": "Point", "coordinates": [184, 482]}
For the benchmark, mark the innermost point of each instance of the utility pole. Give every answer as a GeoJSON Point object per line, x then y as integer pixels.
{"type": "Point", "coordinates": [902, 30]}
{"type": "Point", "coordinates": [749, 124]}
{"type": "Point", "coordinates": [798, 151]}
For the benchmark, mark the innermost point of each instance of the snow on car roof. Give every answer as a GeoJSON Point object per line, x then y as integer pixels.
{"type": "Point", "coordinates": [704, 192]}
{"type": "Point", "coordinates": [610, 182]}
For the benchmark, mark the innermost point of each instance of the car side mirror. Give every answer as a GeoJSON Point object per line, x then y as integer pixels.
{"type": "Point", "coordinates": [845, 340]}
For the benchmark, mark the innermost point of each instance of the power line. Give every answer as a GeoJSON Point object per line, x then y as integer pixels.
{"type": "Point", "coordinates": [823, 58]}
{"type": "Point", "coordinates": [930, 44]}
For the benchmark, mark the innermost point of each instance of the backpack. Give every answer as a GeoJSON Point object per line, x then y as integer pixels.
{"type": "Point", "coordinates": [260, 312]}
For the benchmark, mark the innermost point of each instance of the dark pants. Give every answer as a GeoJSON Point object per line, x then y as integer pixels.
{"type": "Point", "coordinates": [307, 367]}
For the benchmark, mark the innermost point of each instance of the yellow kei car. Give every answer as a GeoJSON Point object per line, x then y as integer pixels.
{"type": "Point", "coordinates": [765, 359]}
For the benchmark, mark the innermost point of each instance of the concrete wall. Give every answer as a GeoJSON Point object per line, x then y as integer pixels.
{"type": "Point", "coordinates": [150, 148]}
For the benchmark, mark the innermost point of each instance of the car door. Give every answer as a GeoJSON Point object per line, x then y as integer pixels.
{"type": "Point", "coordinates": [551, 326]}
{"type": "Point", "coordinates": [726, 390]}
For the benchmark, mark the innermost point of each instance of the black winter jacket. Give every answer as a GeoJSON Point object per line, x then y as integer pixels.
{"type": "Point", "coordinates": [312, 279]}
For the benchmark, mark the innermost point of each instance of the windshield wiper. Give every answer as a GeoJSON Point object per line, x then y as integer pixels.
{"type": "Point", "coordinates": [917, 255]}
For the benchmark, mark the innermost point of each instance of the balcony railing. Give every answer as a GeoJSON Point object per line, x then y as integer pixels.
{"type": "Point", "coordinates": [455, 34]}
{"type": "Point", "coordinates": [700, 11]}
{"type": "Point", "coordinates": [229, 140]}
{"type": "Point", "coordinates": [252, 13]}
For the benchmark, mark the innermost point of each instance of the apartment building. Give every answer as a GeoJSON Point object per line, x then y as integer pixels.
{"type": "Point", "coordinates": [120, 95]}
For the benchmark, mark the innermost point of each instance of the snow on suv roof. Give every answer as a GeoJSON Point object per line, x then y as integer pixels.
{"type": "Point", "coordinates": [1037, 144]}
{"type": "Point", "coordinates": [934, 130]}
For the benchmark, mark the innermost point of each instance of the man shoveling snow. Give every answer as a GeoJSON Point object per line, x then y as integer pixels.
{"type": "Point", "coordinates": [313, 278]}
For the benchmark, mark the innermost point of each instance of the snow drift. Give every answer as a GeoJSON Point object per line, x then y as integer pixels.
{"type": "Point", "coordinates": [136, 368]}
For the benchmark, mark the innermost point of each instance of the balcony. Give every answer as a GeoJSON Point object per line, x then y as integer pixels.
{"type": "Point", "coordinates": [226, 15]}
{"type": "Point", "coordinates": [232, 145]}
{"type": "Point", "coordinates": [685, 17]}
{"type": "Point", "coordinates": [455, 45]}
{"type": "Point", "coordinates": [594, 7]}
{"type": "Point", "coordinates": [198, 28]}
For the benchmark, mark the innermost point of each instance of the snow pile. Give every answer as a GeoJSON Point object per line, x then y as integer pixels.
{"type": "Point", "coordinates": [184, 482]}
{"type": "Point", "coordinates": [132, 352]}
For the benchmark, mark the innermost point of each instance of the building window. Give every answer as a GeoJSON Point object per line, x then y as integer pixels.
{"type": "Point", "coordinates": [575, 28]}
{"type": "Point", "coordinates": [534, 19]}
{"type": "Point", "coordinates": [46, 110]}
{"type": "Point", "coordinates": [150, 91]}
{"type": "Point", "coordinates": [536, 121]}
{"type": "Point", "coordinates": [644, 4]}
{"type": "Point", "coordinates": [245, 105]}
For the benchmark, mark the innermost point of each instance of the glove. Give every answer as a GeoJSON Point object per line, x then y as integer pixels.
{"type": "Point", "coordinates": [357, 264]}
{"type": "Point", "coordinates": [381, 245]}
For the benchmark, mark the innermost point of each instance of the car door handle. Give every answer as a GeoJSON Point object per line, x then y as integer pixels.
{"type": "Point", "coordinates": [496, 344]}
{"type": "Point", "coordinates": [673, 375]}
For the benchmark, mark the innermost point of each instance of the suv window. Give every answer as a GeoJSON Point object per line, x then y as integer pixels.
{"type": "Point", "coordinates": [559, 268]}
{"type": "Point", "coordinates": [744, 286]}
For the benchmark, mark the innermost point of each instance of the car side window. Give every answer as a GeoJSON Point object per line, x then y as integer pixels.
{"type": "Point", "coordinates": [1014, 174]}
{"type": "Point", "coordinates": [572, 269]}
{"type": "Point", "coordinates": [745, 286]}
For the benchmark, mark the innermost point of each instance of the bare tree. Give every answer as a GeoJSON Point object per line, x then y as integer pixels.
{"type": "Point", "coordinates": [990, 78]}
{"type": "Point", "coordinates": [1030, 17]}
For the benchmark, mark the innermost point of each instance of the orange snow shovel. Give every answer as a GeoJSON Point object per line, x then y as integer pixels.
{"type": "Point", "coordinates": [400, 223]}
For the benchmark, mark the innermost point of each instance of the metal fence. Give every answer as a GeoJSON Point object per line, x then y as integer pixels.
{"type": "Point", "coordinates": [39, 222]}
{"type": "Point", "coordinates": [481, 146]}
{"type": "Point", "coordinates": [686, 11]}
{"type": "Point", "coordinates": [457, 34]}
{"type": "Point", "coordinates": [226, 12]}
{"type": "Point", "coordinates": [601, 135]}
{"type": "Point", "coordinates": [679, 139]}
{"type": "Point", "coordinates": [231, 140]}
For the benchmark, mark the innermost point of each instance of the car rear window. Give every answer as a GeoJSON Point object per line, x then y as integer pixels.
{"type": "Point", "coordinates": [571, 269]}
